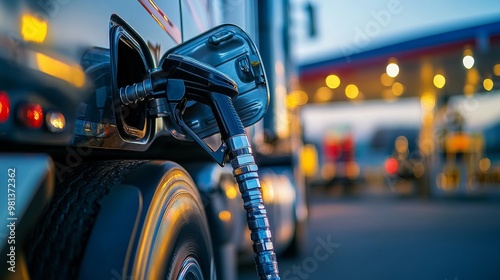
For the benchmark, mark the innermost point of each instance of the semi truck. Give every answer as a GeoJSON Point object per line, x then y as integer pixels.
{"type": "Point", "coordinates": [116, 120]}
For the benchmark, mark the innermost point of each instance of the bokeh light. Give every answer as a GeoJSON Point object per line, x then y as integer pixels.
{"type": "Point", "coordinates": [439, 81]}
{"type": "Point", "coordinates": [468, 61]}
{"type": "Point", "coordinates": [488, 84]}
{"type": "Point", "coordinates": [392, 70]}
{"type": "Point", "coordinates": [332, 81]}
{"type": "Point", "coordinates": [351, 91]}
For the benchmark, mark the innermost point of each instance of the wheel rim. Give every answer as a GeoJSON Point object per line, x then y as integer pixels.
{"type": "Point", "coordinates": [190, 270]}
{"type": "Point", "coordinates": [174, 242]}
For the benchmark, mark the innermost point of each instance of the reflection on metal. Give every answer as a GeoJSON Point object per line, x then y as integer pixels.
{"type": "Point", "coordinates": [323, 94]}
{"type": "Point", "coordinates": [163, 21]}
{"type": "Point", "coordinates": [398, 88]}
{"type": "Point", "coordinates": [392, 68]}
{"type": "Point", "coordinates": [33, 29]}
{"type": "Point", "coordinates": [196, 15]}
{"type": "Point", "coordinates": [70, 73]}
{"type": "Point", "coordinates": [496, 69]}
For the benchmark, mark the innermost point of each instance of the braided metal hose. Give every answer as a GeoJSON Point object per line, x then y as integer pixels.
{"type": "Point", "coordinates": [245, 172]}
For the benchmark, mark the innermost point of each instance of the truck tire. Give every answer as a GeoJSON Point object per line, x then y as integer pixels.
{"type": "Point", "coordinates": [174, 242]}
{"type": "Point", "coordinates": [62, 244]}
{"type": "Point", "coordinates": [56, 246]}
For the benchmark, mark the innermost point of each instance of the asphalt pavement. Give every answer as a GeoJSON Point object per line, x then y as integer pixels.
{"type": "Point", "coordinates": [387, 237]}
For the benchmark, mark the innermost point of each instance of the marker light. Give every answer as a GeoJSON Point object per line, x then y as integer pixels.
{"type": "Point", "coordinates": [55, 121]}
{"type": "Point", "coordinates": [31, 115]}
{"type": "Point", "coordinates": [4, 106]}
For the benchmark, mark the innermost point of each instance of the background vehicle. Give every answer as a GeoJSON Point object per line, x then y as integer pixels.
{"type": "Point", "coordinates": [106, 205]}
{"type": "Point", "coordinates": [404, 167]}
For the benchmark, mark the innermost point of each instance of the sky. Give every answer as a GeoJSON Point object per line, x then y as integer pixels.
{"type": "Point", "coordinates": [357, 25]}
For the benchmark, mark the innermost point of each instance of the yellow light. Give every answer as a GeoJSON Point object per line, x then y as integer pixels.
{"type": "Point", "coordinates": [388, 95]}
{"type": "Point", "coordinates": [428, 101]}
{"type": "Point", "coordinates": [279, 68]}
{"type": "Point", "coordinates": [309, 160]}
{"type": "Point", "coordinates": [296, 98]}
{"type": "Point", "coordinates": [488, 84]}
{"type": "Point", "coordinates": [398, 88]}
{"type": "Point", "coordinates": [496, 69]}
{"type": "Point", "coordinates": [351, 91]}
{"type": "Point", "coordinates": [231, 192]}
{"type": "Point", "coordinates": [392, 70]}
{"type": "Point", "coordinates": [33, 29]}
{"type": "Point", "coordinates": [225, 216]}
{"type": "Point", "coordinates": [70, 73]}
{"type": "Point", "coordinates": [332, 81]}
{"type": "Point", "coordinates": [439, 81]}
{"type": "Point", "coordinates": [468, 61]}
{"type": "Point", "coordinates": [469, 90]}
{"type": "Point", "coordinates": [386, 80]}
{"type": "Point", "coordinates": [323, 94]}
{"type": "Point", "coordinates": [484, 164]}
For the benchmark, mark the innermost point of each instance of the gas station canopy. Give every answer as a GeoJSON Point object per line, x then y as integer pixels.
{"type": "Point", "coordinates": [458, 62]}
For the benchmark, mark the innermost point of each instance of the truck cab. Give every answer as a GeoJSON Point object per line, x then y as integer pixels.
{"type": "Point", "coordinates": [90, 197]}
{"type": "Point", "coordinates": [103, 188]}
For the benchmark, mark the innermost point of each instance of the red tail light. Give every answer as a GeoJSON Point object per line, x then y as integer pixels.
{"type": "Point", "coordinates": [31, 115]}
{"type": "Point", "coordinates": [391, 166]}
{"type": "Point", "coordinates": [4, 106]}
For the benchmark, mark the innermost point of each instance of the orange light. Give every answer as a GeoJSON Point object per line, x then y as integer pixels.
{"type": "Point", "coordinates": [439, 81]}
{"type": "Point", "coordinates": [4, 106]}
{"type": "Point", "coordinates": [31, 115]}
{"type": "Point", "coordinates": [70, 73]}
{"type": "Point", "coordinates": [391, 165]}
{"type": "Point", "coordinates": [225, 216]}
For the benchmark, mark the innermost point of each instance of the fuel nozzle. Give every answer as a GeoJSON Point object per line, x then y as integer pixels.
{"type": "Point", "coordinates": [181, 80]}
{"type": "Point", "coordinates": [199, 80]}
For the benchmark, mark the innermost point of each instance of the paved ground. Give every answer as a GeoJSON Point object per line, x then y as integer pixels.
{"type": "Point", "coordinates": [384, 237]}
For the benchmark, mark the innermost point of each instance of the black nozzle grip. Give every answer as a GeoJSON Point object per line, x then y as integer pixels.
{"type": "Point", "coordinates": [227, 118]}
